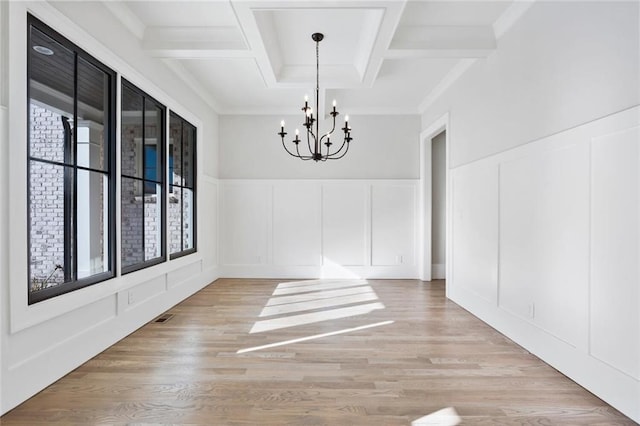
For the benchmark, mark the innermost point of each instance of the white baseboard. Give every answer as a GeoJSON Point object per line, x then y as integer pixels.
{"type": "Point", "coordinates": [314, 272]}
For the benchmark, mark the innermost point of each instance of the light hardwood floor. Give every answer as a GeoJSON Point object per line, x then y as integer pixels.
{"type": "Point", "coordinates": [404, 352]}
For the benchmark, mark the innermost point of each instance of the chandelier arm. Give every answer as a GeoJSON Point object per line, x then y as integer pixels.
{"type": "Point", "coordinates": [339, 150]}
{"type": "Point", "coordinates": [343, 154]}
{"type": "Point", "coordinates": [287, 149]}
{"type": "Point", "coordinates": [334, 122]}
{"type": "Point", "coordinates": [302, 157]}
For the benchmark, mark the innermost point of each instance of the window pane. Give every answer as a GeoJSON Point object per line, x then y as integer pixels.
{"type": "Point", "coordinates": [93, 102]}
{"type": "Point", "coordinates": [51, 98]}
{"type": "Point", "coordinates": [153, 140]}
{"type": "Point", "coordinates": [151, 163]}
{"type": "Point", "coordinates": [175, 146]}
{"type": "Point", "coordinates": [93, 223]}
{"type": "Point", "coordinates": [187, 219]}
{"type": "Point", "coordinates": [153, 223]}
{"type": "Point", "coordinates": [188, 157]}
{"type": "Point", "coordinates": [175, 220]}
{"type": "Point", "coordinates": [47, 225]}
{"type": "Point", "coordinates": [131, 123]}
{"type": "Point", "coordinates": [132, 216]}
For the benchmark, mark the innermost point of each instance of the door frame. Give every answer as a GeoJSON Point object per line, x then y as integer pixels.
{"type": "Point", "coordinates": [426, 136]}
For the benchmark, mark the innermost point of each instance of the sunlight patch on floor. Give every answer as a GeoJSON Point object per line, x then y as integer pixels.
{"type": "Point", "coordinates": [317, 304]}
{"type": "Point", "coordinates": [313, 317]}
{"type": "Point", "coordinates": [315, 336]}
{"type": "Point", "coordinates": [296, 303]}
{"type": "Point", "coordinates": [316, 285]}
{"type": "Point", "coordinates": [445, 417]}
{"type": "Point", "coordinates": [318, 295]}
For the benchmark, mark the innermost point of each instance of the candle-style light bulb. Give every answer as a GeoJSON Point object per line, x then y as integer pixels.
{"type": "Point", "coordinates": [297, 133]}
{"type": "Point", "coordinates": [282, 123]}
{"type": "Point", "coordinates": [334, 103]}
{"type": "Point", "coordinates": [306, 98]}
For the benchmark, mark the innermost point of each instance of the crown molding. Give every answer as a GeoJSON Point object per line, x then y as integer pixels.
{"type": "Point", "coordinates": [504, 22]}
{"type": "Point", "coordinates": [129, 19]}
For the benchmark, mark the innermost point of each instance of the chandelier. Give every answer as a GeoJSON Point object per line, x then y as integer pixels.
{"type": "Point", "coordinates": [313, 138]}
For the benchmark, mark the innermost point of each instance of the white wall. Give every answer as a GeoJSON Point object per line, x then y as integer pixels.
{"type": "Point", "coordinates": [42, 342]}
{"type": "Point", "coordinates": [562, 64]}
{"type": "Point", "coordinates": [544, 139]}
{"type": "Point", "coordinates": [319, 228]}
{"type": "Point", "coordinates": [383, 147]}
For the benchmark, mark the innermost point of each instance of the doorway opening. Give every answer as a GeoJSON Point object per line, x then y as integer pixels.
{"type": "Point", "coordinates": [438, 206]}
{"type": "Point", "coordinates": [435, 200]}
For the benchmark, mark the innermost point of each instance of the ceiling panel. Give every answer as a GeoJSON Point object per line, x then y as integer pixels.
{"type": "Point", "coordinates": [341, 28]}
{"type": "Point", "coordinates": [183, 13]}
{"type": "Point", "coordinates": [237, 85]}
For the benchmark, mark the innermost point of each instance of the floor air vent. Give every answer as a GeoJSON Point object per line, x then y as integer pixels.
{"type": "Point", "coordinates": [164, 318]}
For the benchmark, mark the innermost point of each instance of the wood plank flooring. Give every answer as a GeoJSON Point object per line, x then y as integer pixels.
{"type": "Point", "coordinates": [382, 352]}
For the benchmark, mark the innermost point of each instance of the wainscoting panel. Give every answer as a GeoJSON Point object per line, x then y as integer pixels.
{"type": "Point", "coordinates": [320, 228]}
{"type": "Point", "coordinates": [475, 230]}
{"type": "Point", "coordinates": [615, 254]}
{"type": "Point", "coordinates": [345, 223]}
{"type": "Point", "coordinates": [568, 233]}
{"type": "Point", "coordinates": [544, 240]}
{"type": "Point", "coordinates": [245, 217]}
{"type": "Point", "coordinates": [28, 344]}
{"type": "Point", "coordinates": [297, 218]}
{"type": "Point", "coordinates": [183, 274]}
{"type": "Point", "coordinates": [393, 229]}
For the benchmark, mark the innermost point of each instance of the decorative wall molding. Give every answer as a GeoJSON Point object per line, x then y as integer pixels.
{"type": "Point", "coordinates": [546, 249]}
{"type": "Point", "coordinates": [319, 228]}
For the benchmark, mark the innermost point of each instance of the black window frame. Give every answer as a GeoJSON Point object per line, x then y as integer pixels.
{"type": "Point", "coordinates": [193, 188]}
{"type": "Point", "coordinates": [163, 193]}
{"type": "Point", "coordinates": [70, 199]}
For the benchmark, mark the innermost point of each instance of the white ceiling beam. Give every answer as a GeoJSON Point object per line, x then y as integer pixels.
{"type": "Point", "coordinates": [392, 14]}
{"type": "Point", "coordinates": [195, 42]}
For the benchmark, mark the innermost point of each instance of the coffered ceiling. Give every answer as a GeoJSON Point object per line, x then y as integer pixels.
{"type": "Point", "coordinates": [257, 56]}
